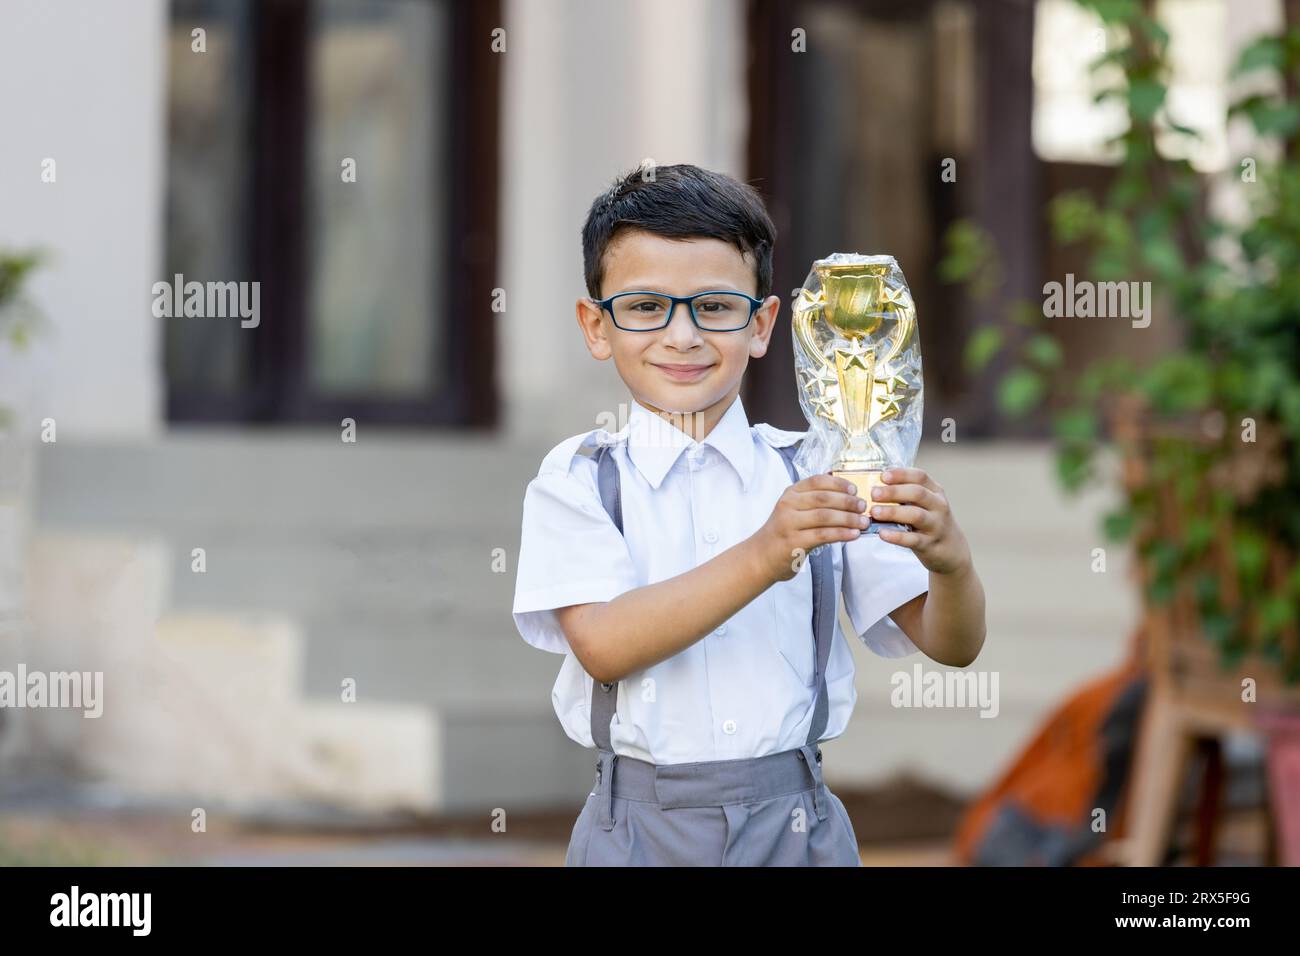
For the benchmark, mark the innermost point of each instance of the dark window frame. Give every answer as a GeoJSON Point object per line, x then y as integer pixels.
{"type": "Point", "coordinates": [276, 230]}
{"type": "Point", "coordinates": [1000, 190]}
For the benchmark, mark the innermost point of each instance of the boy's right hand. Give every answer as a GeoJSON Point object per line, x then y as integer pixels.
{"type": "Point", "coordinates": [819, 509]}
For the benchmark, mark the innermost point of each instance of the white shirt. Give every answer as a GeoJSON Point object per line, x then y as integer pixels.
{"type": "Point", "coordinates": [745, 689]}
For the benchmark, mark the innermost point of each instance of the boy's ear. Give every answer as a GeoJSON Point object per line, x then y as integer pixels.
{"type": "Point", "coordinates": [591, 321]}
{"type": "Point", "coordinates": [764, 323]}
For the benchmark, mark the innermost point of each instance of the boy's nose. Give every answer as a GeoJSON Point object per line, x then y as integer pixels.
{"type": "Point", "coordinates": [681, 329]}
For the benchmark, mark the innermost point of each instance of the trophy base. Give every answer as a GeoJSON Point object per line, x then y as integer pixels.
{"type": "Point", "coordinates": [865, 481]}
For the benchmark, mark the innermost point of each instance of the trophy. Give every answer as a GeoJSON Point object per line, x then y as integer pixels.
{"type": "Point", "coordinates": [857, 357]}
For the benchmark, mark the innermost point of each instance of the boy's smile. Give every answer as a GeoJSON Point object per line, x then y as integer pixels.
{"type": "Point", "coordinates": [678, 370]}
{"type": "Point", "coordinates": [683, 372]}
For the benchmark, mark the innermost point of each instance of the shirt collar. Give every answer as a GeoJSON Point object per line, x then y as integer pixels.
{"type": "Point", "coordinates": [654, 444]}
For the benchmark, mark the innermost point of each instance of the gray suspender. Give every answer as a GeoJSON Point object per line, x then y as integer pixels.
{"type": "Point", "coordinates": [604, 697]}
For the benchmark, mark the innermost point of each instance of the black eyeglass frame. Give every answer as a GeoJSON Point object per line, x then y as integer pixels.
{"type": "Point", "coordinates": [607, 305]}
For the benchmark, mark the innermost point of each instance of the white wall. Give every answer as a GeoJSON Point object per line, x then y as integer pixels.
{"type": "Point", "coordinates": [83, 82]}
{"type": "Point", "coordinates": [579, 108]}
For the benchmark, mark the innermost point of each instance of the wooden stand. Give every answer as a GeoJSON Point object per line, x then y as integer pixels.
{"type": "Point", "coordinates": [1193, 701]}
{"type": "Point", "coordinates": [1191, 704]}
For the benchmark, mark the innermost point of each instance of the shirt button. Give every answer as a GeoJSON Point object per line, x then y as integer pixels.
{"type": "Point", "coordinates": [710, 536]}
{"type": "Point", "coordinates": [729, 727]}
{"type": "Point", "coordinates": [722, 629]}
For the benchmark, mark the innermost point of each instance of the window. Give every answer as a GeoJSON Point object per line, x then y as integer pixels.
{"type": "Point", "coordinates": [1070, 127]}
{"type": "Point", "coordinates": [848, 142]}
{"type": "Point", "coordinates": [320, 149]}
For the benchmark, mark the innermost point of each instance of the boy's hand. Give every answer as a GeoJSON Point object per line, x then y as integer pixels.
{"type": "Point", "coordinates": [818, 509]}
{"type": "Point", "coordinates": [937, 541]}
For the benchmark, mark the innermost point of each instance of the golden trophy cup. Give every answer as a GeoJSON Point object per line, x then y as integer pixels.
{"type": "Point", "coordinates": [858, 364]}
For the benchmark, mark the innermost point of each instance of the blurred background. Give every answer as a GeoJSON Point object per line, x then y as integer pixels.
{"type": "Point", "coordinates": [289, 548]}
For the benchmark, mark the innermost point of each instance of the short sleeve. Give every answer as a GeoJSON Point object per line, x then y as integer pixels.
{"type": "Point", "coordinates": [880, 577]}
{"type": "Point", "coordinates": [570, 552]}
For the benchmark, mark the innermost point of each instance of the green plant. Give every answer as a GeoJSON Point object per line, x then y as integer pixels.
{"type": "Point", "coordinates": [1235, 289]}
{"type": "Point", "coordinates": [19, 318]}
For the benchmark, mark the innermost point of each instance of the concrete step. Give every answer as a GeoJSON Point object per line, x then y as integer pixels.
{"type": "Point", "coordinates": [285, 479]}
{"type": "Point", "coordinates": [415, 576]}
{"type": "Point", "coordinates": [91, 606]}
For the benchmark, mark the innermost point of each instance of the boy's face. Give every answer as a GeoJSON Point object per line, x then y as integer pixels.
{"type": "Point", "coordinates": [679, 368]}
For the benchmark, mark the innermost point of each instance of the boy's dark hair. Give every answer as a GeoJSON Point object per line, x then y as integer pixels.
{"type": "Point", "coordinates": [679, 202]}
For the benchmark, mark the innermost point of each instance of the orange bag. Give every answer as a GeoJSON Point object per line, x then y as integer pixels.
{"type": "Point", "coordinates": [1040, 813]}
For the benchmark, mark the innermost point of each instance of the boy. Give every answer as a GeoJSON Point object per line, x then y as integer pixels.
{"type": "Point", "coordinates": [703, 655]}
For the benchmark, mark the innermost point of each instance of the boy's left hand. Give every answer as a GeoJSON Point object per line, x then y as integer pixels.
{"type": "Point", "coordinates": [936, 540]}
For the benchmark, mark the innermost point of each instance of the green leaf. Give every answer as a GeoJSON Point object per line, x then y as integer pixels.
{"type": "Point", "coordinates": [1200, 533]}
{"type": "Point", "coordinates": [1160, 590]}
{"type": "Point", "coordinates": [1166, 556]}
{"type": "Point", "coordinates": [1206, 588]}
{"type": "Point", "coordinates": [1179, 383]}
{"type": "Point", "coordinates": [1275, 119]}
{"type": "Point", "coordinates": [971, 256]}
{"type": "Point", "coordinates": [1262, 53]}
{"type": "Point", "coordinates": [1044, 350]}
{"type": "Point", "coordinates": [1218, 628]}
{"type": "Point", "coordinates": [1276, 613]}
{"type": "Point", "coordinates": [1101, 376]}
{"type": "Point", "coordinates": [982, 346]}
{"type": "Point", "coordinates": [1243, 106]}
{"type": "Point", "coordinates": [1290, 407]}
{"type": "Point", "coordinates": [1118, 525]}
{"type": "Point", "coordinates": [1020, 391]}
{"type": "Point", "coordinates": [1250, 552]}
{"type": "Point", "coordinates": [1115, 11]}
{"type": "Point", "coordinates": [1163, 254]}
{"type": "Point", "coordinates": [1074, 466]}
{"type": "Point", "coordinates": [1145, 98]}
{"type": "Point", "coordinates": [14, 270]}
{"type": "Point", "coordinates": [1158, 35]}
{"type": "Point", "coordinates": [1270, 381]}
{"type": "Point", "coordinates": [1077, 424]}
{"type": "Point", "coordinates": [1073, 215]}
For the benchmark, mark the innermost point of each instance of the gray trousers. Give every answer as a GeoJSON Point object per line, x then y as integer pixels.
{"type": "Point", "coordinates": [767, 811]}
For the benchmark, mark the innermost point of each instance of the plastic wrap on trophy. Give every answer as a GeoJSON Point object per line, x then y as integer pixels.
{"type": "Point", "coordinates": [857, 359]}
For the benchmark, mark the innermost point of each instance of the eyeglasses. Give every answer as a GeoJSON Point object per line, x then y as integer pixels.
{"type": "Point", "coordinates": [720, 311]}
